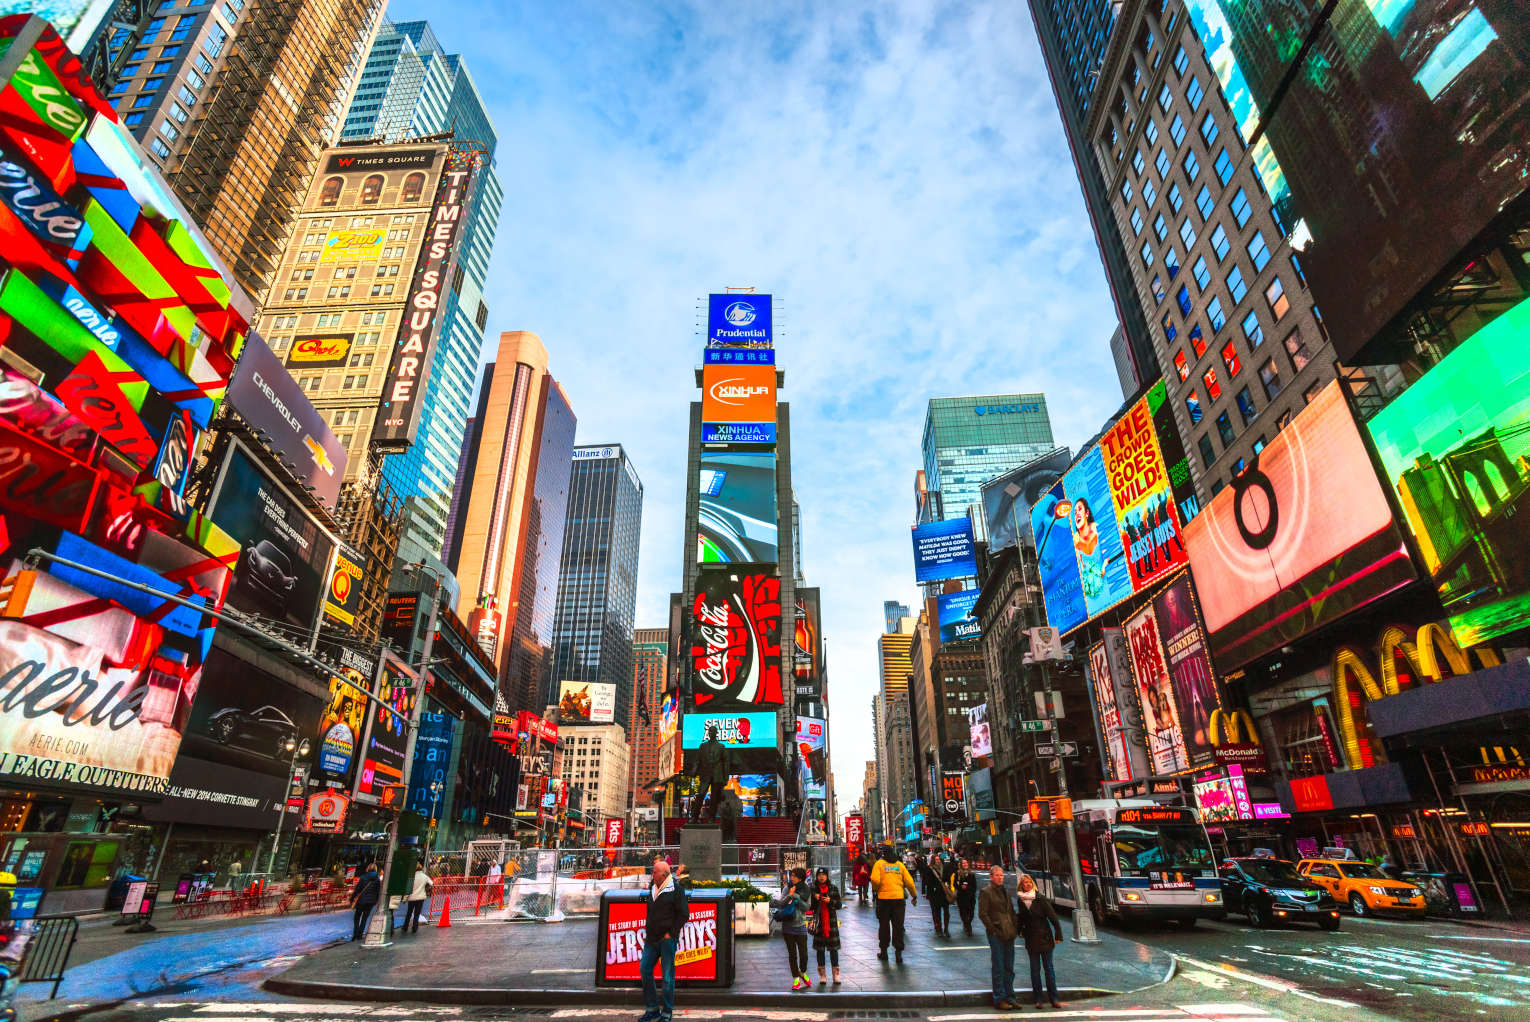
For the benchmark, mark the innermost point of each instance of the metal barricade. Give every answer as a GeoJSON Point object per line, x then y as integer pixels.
{"type": "Point", "coordinates": [47, 952]}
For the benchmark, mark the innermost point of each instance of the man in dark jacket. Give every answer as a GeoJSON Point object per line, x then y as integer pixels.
{"type": "Point", "coordinates": [364, 899]}
{"type": "Point", "coordinates": [999, 919]}
{"type": "Point", "coordinates": [664, 921]}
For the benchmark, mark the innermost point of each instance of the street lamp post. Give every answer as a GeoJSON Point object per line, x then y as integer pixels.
{"type": "Point", "coordinates": [436, 788]}
{"type": "Point", "coordinates": [298, 750]}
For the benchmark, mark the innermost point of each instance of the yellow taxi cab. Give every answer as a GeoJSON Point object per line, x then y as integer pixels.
{"type": "Point", "coordinates": [1363, 887]}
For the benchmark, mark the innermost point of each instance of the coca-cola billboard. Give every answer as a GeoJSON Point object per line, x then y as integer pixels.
{"type": "Point", "coordinates": [736, 649]}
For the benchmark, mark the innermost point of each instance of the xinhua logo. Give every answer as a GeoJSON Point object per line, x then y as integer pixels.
{"type": "Point", "coordinates": [732, 392]}
{"type": "Point", "coordinates": [739, 314]}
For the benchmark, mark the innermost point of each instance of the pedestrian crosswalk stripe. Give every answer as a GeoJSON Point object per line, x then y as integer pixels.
{"type": "Point", "coordinates": [1201, 1012]}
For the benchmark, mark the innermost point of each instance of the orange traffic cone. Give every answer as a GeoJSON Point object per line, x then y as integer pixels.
{"type": "Point", "coordinates": [446, 914]}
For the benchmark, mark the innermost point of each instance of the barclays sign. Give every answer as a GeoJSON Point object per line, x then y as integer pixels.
{"type": "Point", "coordinates": [1031, 408]}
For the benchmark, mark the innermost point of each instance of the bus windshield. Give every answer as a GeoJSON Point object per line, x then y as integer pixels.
{"type": "Point", "coordinates": [1161, 846]}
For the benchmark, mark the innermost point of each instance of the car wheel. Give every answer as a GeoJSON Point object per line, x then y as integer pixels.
{"type": "Point", "coordinates": [1358, 906]}
{"type": "Point", "coordinates": [1096, 908]}
{"type": "Point", "coordinates": [1331, 925]}
{"type": "Point", "coordinates": [1258, 915]}
{"type": "Point", "coordinates": [223, 730]}
{"type": "Point", "coordinates": [1187, 924]}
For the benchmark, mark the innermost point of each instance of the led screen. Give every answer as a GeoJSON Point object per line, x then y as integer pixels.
{"type": "Point", "coordinates": [1103, 572]}
{"type": "Point", "coordinates": [737, 522]}
{"type": "Point", "coordinates": [748, 738]}
{"type": "Point", "coordinates": [1155, 692]}
{"type": "Point", "coordinates": [1455, 447]}
{"type": "Point", "coordinates": [1061, 589]}
{"type": "Point", "coordinates": [954, 611]}
{"type": "Point", "coordinates": [979, 735]}
{"type": "Point", "coordinates": [244, 717]}
{"type": "Point", "coordinates": [1301, 537]}
{"type": "Point", "coordinates": [340, 730]}
{"type": "Point", "coordinates": [736, 654]}
{"type": "Point", "coordinates": [1190, 674]}
{"type": "Point", "coordinates": [738, 404]}
{"type": "Point", "coordinates": [582, 702]}
{"type": "Point", "coordinates": [387, 735]}
{"type": "Point", "coordinates": [1146, 516]}
{"type": "Point", "coordinates": [812, 756]}
{"type": "Point", "coordinates": [807, 642]}
{"type": "Point", "coordinates": [737, 319]}
{"type": "Point", "coordinates": [944, 550]}
{"type": "Point", "coordinates": [1007, 499]}
{"type": "Point", "coordinates": [669, 717]}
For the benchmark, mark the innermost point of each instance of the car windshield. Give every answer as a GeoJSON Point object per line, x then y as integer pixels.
{"type": "Point", "coordinates": [1362, 871]}
{"type": "Point", "coordinates": [1272, 871]}
{"type": "Point", "coordinates": [1167, 846]}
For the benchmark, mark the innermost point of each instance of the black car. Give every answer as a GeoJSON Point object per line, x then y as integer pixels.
{"type": "Point", "coordinates": [1271, 891]}
{"type": "Point", "coordinates": [266, 730]}
{"type": "Point", "coordinates": [266, 571]}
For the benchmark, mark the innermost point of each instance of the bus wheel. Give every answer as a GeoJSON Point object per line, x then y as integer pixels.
{"type": "Point", "coordinates": [1096, 908]}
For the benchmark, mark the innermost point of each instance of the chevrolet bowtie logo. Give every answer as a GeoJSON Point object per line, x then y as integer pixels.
{"type": "Point", "coordinates": [320, 455]}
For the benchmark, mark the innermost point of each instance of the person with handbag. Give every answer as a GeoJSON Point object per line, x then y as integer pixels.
{"type": "Point", "coordinates": [824, 900]}
{"type": "Point", "coordinates": [1042, 931]}
{"type": "Point", "coordinates": [963, 888]}
{"type": "Point", "coordinates": [792, 907]}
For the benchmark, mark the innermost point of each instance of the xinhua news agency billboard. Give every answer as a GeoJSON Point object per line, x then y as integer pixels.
{"type": "Point", "coordinates": [739, 319]}
{"type": "Point", "coordinates": [944, 550]}
{"type": "Point", "coordinates": [738, 404]}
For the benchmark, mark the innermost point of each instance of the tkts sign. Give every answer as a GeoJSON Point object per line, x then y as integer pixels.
{"type": "Point", "coordinates": [737, 651]}
{"type": "Point", "coordinates": [404, 385]}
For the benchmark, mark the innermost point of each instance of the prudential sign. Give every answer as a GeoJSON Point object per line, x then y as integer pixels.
{"type": "Point", "coordinates": [739, 319]}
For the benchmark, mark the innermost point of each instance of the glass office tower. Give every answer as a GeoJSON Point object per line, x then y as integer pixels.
{"type": "Point", "coordinates": [969, 440]}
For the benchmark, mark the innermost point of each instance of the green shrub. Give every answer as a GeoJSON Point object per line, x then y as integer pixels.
{"type": "Point", "coordinates": [743, 891]}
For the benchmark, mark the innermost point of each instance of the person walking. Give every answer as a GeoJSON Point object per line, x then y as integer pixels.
{"type": "Point", "coordinates": [1042, 931]}
{"type": "Point", "coordinates": [1002, 926]}
{"type": "Point", "coordinates": [661, 930]}
{"type": "Point", "coordinates": [419, 893]}
{"type": "Point", "coordinates": [824, 901]}
{"type": "Point", "coordinates": [935, 892]}
{"type": "Point", "coordinates": [963, 888]}
{"type": "Point", "coordinates": [862, 878]}
{"type": "Point", "coordinates": [364, 899]}
{"type": "Point", "coordinates": [893, 884]}
{"type": "Point", "coordinates": [792, 906]}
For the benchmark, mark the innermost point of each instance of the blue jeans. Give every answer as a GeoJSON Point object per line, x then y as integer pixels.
{"type": "Point", "coordinates": [654, 953]}
{"type": "Point", "coordinates": [1040, 959]}
{"type": "Point", "coordinates": [1001, 953]}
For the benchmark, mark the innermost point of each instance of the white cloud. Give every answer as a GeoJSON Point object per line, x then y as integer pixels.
{"type": "Point", "coordinates": [895, 174]}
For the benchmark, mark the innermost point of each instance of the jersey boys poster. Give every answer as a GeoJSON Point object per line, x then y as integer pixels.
{"type": "Point", "coordinates": [696, 952]}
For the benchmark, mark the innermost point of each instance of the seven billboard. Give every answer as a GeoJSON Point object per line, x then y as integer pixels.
{"type": "Point", "coordinates": [581, 702]}
{"type": "Point", "coordinates": [944, 550]}
{"type": "Point", "coordinates": [736, 656]}
{"type": "Point", "coordinates": [737, 520]}
{"type": "Point", "coordinates": [738, 404]}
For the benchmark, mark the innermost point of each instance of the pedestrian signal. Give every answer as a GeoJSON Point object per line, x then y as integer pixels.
{"type": "Point", "coordinates": [1049, 810]}
{"type": "Point", "coordinates": [392, 796]}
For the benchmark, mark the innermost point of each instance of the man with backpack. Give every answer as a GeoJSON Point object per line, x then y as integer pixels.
{"type": "Point", "coordinates": [894, 884]}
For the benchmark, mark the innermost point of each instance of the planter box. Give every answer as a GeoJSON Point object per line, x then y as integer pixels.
{"type": "Point", "coordinates": [751, 919]}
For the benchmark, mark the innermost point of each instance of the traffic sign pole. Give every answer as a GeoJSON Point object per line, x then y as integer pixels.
{"type": "Point", "coordinates": [1083, 918]}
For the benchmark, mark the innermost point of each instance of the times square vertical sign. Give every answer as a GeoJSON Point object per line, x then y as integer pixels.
{"type": "Point", "coordinates": [413, 353]}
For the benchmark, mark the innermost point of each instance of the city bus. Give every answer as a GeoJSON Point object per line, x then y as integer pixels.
{"type": "Point", "coordinates": [1139, 860]}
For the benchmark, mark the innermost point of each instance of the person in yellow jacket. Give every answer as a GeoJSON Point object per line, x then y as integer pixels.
{"type": "Point", "coordinates": [894, 885]}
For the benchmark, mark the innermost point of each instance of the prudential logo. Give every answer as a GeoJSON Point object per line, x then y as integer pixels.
{"type": "Point", "coordinates": [739, 314]}
{"type": "Point", "coordinates": [736, 391]}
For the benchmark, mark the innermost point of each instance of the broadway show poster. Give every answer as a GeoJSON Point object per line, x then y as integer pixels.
{"type": "Point", "coordinates": [340, 730]}
{"type": "Point", "coordinates": [696, 951]}
{"type": "Point", "coordinates": [1058, 564]}
{"type": "Point", "coordinates": [1102, 569]}
{"type": "Point", "coordinates": [1166, 747]}
{"type": "Point", "coordinates": [1195, 686]}
{"type": "Point", "coordinates": [1139, 486]}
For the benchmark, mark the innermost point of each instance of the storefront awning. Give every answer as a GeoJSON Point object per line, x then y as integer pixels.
{"type": "Point", "coordinates": [1490, 692]}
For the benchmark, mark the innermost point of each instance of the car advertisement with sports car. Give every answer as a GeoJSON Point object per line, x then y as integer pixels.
{"type": "Point", "coordinates": [245, 717]}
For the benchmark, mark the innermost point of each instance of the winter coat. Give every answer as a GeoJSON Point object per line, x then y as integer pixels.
{"type": "Point", "coordinates": [798, 923]}
{"type": "Point", "coordinates": [862, 874]}
{"type": "Point", "coordinates": [963, 888]}
{"type": "Point", "coordinates": [816, 902]}
{"type": "Point", "coordinates": [368, 889]}
{"type": "Point", "coordinates": [664, 919]}
{"type": "Point", "coordinates": [996, 913]}
{"type": "Point", "coordinates": [892, 880]}
{"type": "Point", "coordinates": [934, 886]}
{"type": "Point", "coordinates": [1039, 924]}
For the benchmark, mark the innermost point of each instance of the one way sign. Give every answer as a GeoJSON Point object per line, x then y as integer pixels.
{"type": "Point", "coordinates": [1057, 749]}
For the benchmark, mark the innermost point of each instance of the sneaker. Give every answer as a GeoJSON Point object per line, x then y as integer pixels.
{"type": "Point", "coordinates": [1004, 1006]}
{"type": "Point", "coordinates": [797, 984]}
{"type": "Point", "coordinates": [807, 984]}
{"type": "Point", "coordinates": [882, 954]}
{"type": "Point", "coordinates": [1057, 1004]}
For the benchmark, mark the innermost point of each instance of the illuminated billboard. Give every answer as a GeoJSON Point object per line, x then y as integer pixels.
{"type": "Point", "coordinates": [955, 613]}
{"type": "Point", "coordinates": [388, 733]}
{"type": "Point", "coordinates": [812, 756]}
{"type": "Point", "coordinates": [1155, 692]}
{"type": "Point", "coordinates": [807, 643]}
{"type": "Point", "coordinates": [1117, 707]}
{"type": "Point", "coordinates": [320, 351]}
{"type": "Point", "coordinates": [340, 730]}
{"type": "Point", "coordinates": [1145, 514]}
{"type": "Point", "coordinates": [944, 550]}
{"type": "Point", "coordinates": [1008, 498]}
{"type": "Point", "coordinates": [738, 404]}
{"type": "Point", "coordinates": [739, 319]}
{"type": "Point", "coordinates": [1191, 676]}
{"type": "Point", "coordinates": [979, 733]}
{"type": "Point", "coordinates": [581, 702]}
{"type": "Point", "coordinates": [343, 598]}
{"type": "Point", "coordinates": [1301, 537]}
{"type": "Point", "coordinates": [669, 717]}
{"type": "Point", "coordinates": [748, 738]}
{"type": "Point", "coordinates": [1061, 589]}
{"type": "Point", "coordinates": [737, 521]}
{"type": "Point", "coordinates": [736, 655]}
{"type": "Point", "coordinates": [1103, 572]}
{"type": "Point", "coordinates": [1455, 447]}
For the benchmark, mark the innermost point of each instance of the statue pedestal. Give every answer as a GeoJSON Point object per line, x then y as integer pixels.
{"type": "Point", "coordinates": [701, 850]}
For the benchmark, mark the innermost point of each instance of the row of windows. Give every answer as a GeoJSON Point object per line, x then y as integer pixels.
{"type": "Point", "coordinates": [300, 294]}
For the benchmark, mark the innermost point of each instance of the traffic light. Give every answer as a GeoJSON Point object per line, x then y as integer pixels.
{"type": "Point", "coordinates": [391, 796]}
{"type": "Point", "coordinates": [1049, 810]}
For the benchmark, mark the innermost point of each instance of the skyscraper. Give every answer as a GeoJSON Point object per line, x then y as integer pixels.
{"type": "Point", "coordinates": [650, 668]}
{"type": "Point", "coordinates": [597, 580]}
{"type": "Point", "coordinates": [513, 515]}
{"type": "Point", "coordinates": [893, 612]}
{"type": "Point", "coordinates": [234, 103]}
{"type": "Point", "coordinates": [969, 440]}
{"type": "Point", "coordinates": [409, 88]}
{"type": "Point", "coordinates": [895, 735]}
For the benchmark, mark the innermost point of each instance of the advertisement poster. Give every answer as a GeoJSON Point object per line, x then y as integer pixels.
{"type": "Point", "coordinates": [1061, 589]}
{"type": "Point", "coordinates": [432, 764]}
{"type": "Point", "coordinates": [734, 730]}
{"type": "Point", "coordinates": [736, 522]}
{"type": "Point", "coordinates": [807, 643]}
{"type": "Point", "coordinates": [1102, 569]}
{"type": "Point", "coordinates": [285, 558]}
{"type": "Point", "coordinates": [581, 702]}
{"type": "Point", "coordinates": [696, 950]}
{"type": "Point", "coordinates": [760, 794]}
{"type": "Point", "coordinates": [812, 757]}
{"type": "Point", "coordinates": [954, 611]}
{"type": "Point", "coordinates": [980, 793]}
{"type": "Point", "coordinates": [244, 717]}
{"type": "Point", "coordinates": [1008, 499]}
{"type": "Point", "coordinates": [387, 733]}
{"type": "Point", "coordinates": [1456, 450]}
{"type": "Point", "coordinates": [944, 550]}
{"type": "Point", "coordinates": [737, 319]}
{"type": "Point", "coordinates": [344, 596]}
{"type": "Point", "coordinates": [669, 717]}
{"type": "Point", "coordinates": [1139, 489]}
{"type": "Point", "coordinates": [738, 404]}
{"type": "Point", "coordinates": [1301, 537]}
{"type": "Point", "coordinates": [340, 730]}
{"type": "Point", "coordinates": [320, 351]}
{"type": "Point", "coordinates": [1108, 714]}
{"type": "Point", "coordinates": [953, 798]}
{"type": "Point", "coordinates": [1195, 686]}
{"type": "Point", "coordinates": [611, 834]}
{"type": "Point", "coordinates": [979, 735]}
{"type": "Point", "coordinates": [1166, 746]}
{"type": "Point", "coordinates": [736, 656]}
{"type": "Point", "coordinates": [855, 836]}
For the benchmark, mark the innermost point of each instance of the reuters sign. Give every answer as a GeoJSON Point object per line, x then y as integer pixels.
{"type": "Point", "coordinates": [738, 393]}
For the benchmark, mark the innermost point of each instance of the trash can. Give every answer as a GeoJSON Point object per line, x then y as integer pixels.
{"type": "Point", "coordinates": [703, 953]}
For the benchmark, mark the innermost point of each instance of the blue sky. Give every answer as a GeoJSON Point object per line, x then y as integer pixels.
{"type": "Point", "coordinates": [895, 173]}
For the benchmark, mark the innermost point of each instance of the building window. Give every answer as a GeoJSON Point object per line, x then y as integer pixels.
{"type": "Point", "coordinates": [158, 148]}
{"type": "Point", "coordinates": [194, 79]}
{"type": "Point", "coordinates": [1230, 359]}
{"type": "Point", "coordinates": [1225, 430]}
{"type": "Point", "coordinates": [330, 195]}
{"type": "Point", "coordinates": [1252, 330]}
{"type": "Point", "coordinates": [1296, 347]}
{"type": "Point", "coordinates": [1126, 189]}
{"type": "Point", "coordinates": [1161, 163]}
{"type": "Point", "coordinates": [144, 100]}
{"type": "Point", "coordinates": [1181, 366]}
{"type": "Point", "coordinates": [1150, 132]}
{"type": "Point", "coordinates": [1204, 202]}
{"type": "Point", "coordinates": [1160, 227]}
{"type": "Point", "coordinates": [1215, 314]}
{"type": "Point", "coordinates": [1138, 163]}
{"type": "Point", "coordinates": [1136, 221]}
{"type": "Point", "coordinates": [1197, 340]}
{"type": "Point", "coordinates": [371, 189]}
{"type": "Point", "coordinates": [133, 120]}
{"type": "Point", "coordinates": [1194, 93]}
{"type": "Point", "coordinates": [1201, 273]}
{"type": "Point", "coordinates": [1258, 251]}
{"type": "Point", "coordinates": [1149, 193]}
{"type": "Point", "coordinates": [1209, 129]}
{"type": "Point", "coordinates": [1224, 167]}
{"type": "Point", "coordinates": [1158, 291]}
{"type": "Point", "coordinates": [1270, 377]}
{"type": "Point", "coordinates": [1181, 61]}
{"type": "Point", "coordinates": [1208, 453]}
{"type": "Point", "coordinates": [1165, 98]}
{"type": "Point", "coordinates": [414, 184]}
{"type": "Point", "coordinates": [1170, 331]}
{"type": "Point", "coordinates": [1177, 131]}
{"type": "Point", "coordinates": [202, 64]}
{"type": "Point", "coordinates": [1183, 297]}
{"type": "Point", "coordinates": [185, 95]}
{"type": "Point", "coordinates": [1235, 285]}
{"type": "Point", "coordinates": [1176, 200]}
{"type": "Point", "coordinates": [1246, 406]}
{"type": "Point", "coordinates": [1240, 208]}
{"type": "Point", "coordinates": [1258, 443]}
{"type": "Point", "coordinates": [1275, 294]}
{"type": "Point", "coordinates": [1213, 388]}
{"type": "Point", "coordinates": [1187, 233]}
{"type": "Point", "coordinates": [217, 35]}
{"type": "Point", "coordinates": [1219, 243]}
{"type": "Point", "coordinates": [178, 112]}
{"type": "Point", "coordinates": [1171, 261]}
{"type": "Point", "coordinates": [1147, 255]}
{"type": "Point", "coordinates": [1193, 408]}
{"type": "Point", "coordinates": [1310, 394]}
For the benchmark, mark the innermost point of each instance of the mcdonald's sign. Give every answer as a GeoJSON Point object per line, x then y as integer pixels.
{"type": "Point", "coordinates": [1234, 739]}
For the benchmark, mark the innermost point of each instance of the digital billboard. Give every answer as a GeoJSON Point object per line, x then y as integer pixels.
{"type": "Point", "coordinates": [340, 730]}
{"type": "Point", "coordinates": [244, 717]}
{"type": "Point", "coordinates": [807, 645]}
{"type": "Point", "coordinates": [736, 522]}
{"type": "Point", "coordinates": [343, 598]}
{"type": "Point", "coordinates": [586, 702]}
{"type": "Point", "coordinates": [739, 356]}
{"type": "Point", "coordinates": [346, 245]}
{"type": "Point", "coordinates": [285, 556]}
{"type": "Point", "coordinates": [738, 404]}
{"type": "Point", "coordinates": [1103, 572]}
{"type": "Point", "coordinates": [739, 319]}
{"type": "Point", "coordinates": [1301, 537]}
{"type": "Point", "coordinates": [432, 764]}
{"type": "Point", "coordinates": [979, 734]}
{"type": "Point", "coordinates": [812, 756]}
{"type": "Point", "coordinates": [1008, 498]}
{"type": "Point", "coordinates": [669, 716]}
{"type": "Point", "coordinates": [1191, 676]}
{"type": "Point", "coordinates": [1155, 692]}
{"type": "Point", "coordinates": [320, 351]}
{"type": "Point", "coordinates": [1145, 513]}
{"type": "Point", "coordinates": [736, 655]}
{"type": "Point", "coordinates": [750, 739]}
{"type": "Point", "coordinates": [944, 550]}
{"type": "Point", "coordinates": [1455, 447]}
{"type": "Point", "coordinates": [954, 611]}
{"type": "Point", "coordinates": [1117, 706]}
{"type": "Point", "coordinates": [1061, 590]}
{"type": "Point", "coordinates": [388, 733]}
